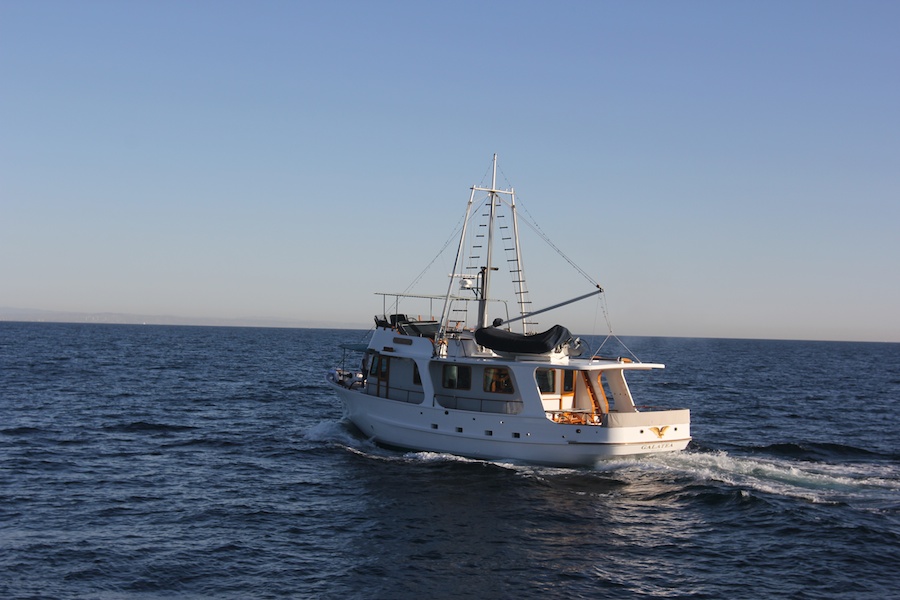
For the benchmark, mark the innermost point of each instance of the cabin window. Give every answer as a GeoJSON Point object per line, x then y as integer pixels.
{"type": "Point", "coordinates": [417, 379]}
{"type": "Point", "coordinates": [456, 377]}
{"type": "Point", "coordinates": [376, 364]}
{"type": "Point", "coordinates": [377, 381]}
{"type": "Point", "coordinates": [568, 381]}
{"type": "Point", "coordinates": [497, 380]}
{"type": "Point", "coordinates": [458, 393]}
{"type": "Point", "coordinates": [546, 380]}
{"type": "Point", "coordinates": [380, 366]}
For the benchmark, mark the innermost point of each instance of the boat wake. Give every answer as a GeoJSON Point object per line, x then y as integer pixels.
{"type": "Point", "coordinates": [441, 457]}
{"type": "Point", "coordinates": [867, 484]}
{"type": "Point", "coordinates": [337, 433]}
{"type": "Point", "coordinates": [344, 435]}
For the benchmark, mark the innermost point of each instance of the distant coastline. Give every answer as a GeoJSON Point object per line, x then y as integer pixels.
{"type": "Point", "coordinates": [8, 314]}
{"type": "Point", "coordinates": [50, 316]}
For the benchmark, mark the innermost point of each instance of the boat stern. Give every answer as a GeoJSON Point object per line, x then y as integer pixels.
{"type": "Point", "coordinates": [650, 430]}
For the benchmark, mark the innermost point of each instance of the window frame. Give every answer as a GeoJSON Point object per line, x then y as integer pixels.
{"type": "Point", "coordinates": [543, 375]}
{"type": "Point", "coordinates": [462, 382]}
{"type": "Point", "coordinates": [497, 380]}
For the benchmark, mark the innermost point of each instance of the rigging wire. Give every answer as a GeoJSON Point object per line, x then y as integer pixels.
{"type": "Point", "coordinates": [611, 335]}
{"type": "Point", "coordinates": [452, 237]}
{"type": "Point", "coordinates": [532, 222]}
{"type": "Point", "coordinates": [618, 339]}
{"type": "Point", "coordinates": [529, 220]}
{"type": "Point", "coordinates": [486, 174]}
{"type": "Point", "coordinates": [601, 299]}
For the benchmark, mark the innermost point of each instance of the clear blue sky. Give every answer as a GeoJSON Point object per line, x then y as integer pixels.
{"type": "Point", "coordinates": [726, 169]}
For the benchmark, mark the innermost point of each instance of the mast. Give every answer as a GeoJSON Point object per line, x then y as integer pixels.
{"type": "Point", "coordinates": [519, 279]}
{"type": "Point", "coordinates": [445, 312]}
{"type": "Point", "coordinates": [486, 270]}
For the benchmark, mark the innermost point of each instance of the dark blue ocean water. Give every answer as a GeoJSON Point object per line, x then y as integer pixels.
{"type": "Point", "coordinates": [201, 462]}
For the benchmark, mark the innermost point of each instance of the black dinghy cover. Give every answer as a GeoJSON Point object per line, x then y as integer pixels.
{"type": "Point", "coordinates": [516, 343]}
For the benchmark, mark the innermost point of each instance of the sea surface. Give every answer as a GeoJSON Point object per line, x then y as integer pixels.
{"type": "Point", "coordinates": [208, 462]}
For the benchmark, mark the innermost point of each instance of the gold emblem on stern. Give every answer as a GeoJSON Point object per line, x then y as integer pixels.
{"type": "Point", "coordinates": [659, 431]}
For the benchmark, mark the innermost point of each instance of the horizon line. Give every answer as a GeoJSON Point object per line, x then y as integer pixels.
{"type": "Point", "coordinates": [20, 315]}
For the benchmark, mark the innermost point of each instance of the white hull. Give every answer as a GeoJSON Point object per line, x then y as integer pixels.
{"type": "Point", "coordinates": [491, 437]}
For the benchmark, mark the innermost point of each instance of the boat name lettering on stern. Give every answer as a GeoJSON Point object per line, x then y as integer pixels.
{"type": "Point", "coordinates": [658, 446]}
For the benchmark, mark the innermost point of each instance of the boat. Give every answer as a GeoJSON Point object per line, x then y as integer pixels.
{"type": "Point", "coordinates": [489, 388]}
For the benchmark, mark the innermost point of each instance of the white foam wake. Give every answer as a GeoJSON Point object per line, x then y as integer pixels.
{"type": "Point", "coordinates": [331, 431]}
{"type": "Point", "coordinates": [811, 481]}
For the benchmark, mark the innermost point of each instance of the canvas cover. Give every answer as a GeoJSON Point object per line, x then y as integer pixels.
{"type": "Point", "coordinates": [501, 340]}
